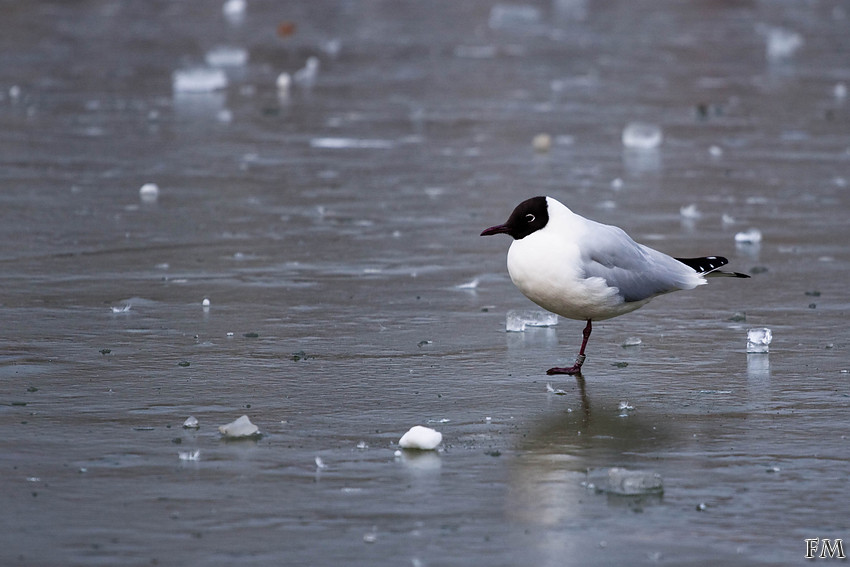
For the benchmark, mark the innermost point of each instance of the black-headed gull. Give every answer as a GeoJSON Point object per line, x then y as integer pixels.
{"type": "Point", "coordinates": [585, 270]}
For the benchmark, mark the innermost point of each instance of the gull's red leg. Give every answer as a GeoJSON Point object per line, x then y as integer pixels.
{"type": "Point", "coordinates": [575, 368]}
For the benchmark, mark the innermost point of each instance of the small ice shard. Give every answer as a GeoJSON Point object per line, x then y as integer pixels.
{"type": "Point", "coordinates": [642, 136]}
{"type": "Point", "coordinates": [370, 537]}
{"type": "Point", "coordinates": [331, 47]}
{"type": "Point", "coordinates": [616, 184]}
{"type": "Point", "coordinates": [552, 390]}
{"type": "Point", "coordinates": [782, 43]}
{"type": "Point", "coordinates": [122, 309]}
{"type": "Point", "coordinates": [715, 151]}
{"type": "Point", "coordinates": [362, 445]}
{"type": "Point", "coordinates": [421, 438]}
{"type": "Point", "coordinates": [632, 483]}
{"type": "Point", "coordinates": [542, 143]}
{"type": "Point", "coordinates": [205, 302]}
{"type": "Point", "coordinates": [751, 236]}
{"type": "Point", "coordinates": [191, 423]}
{"type": "Point", "coordinates": [839, 91]}
{"type": "Point", "coordinates": [239, 429]}
{"type": "Point", "coordinates": [727, 219]}
{"type": "Point", "coordinates": [631, 341]}
{"type": "Point", "coordinates": [320, 464]}
{"type": "Point", "coordinates": [346, 143]}
{"type": "Point", "coordinates": [227, 57]}
{"type": "Point", "coordinates": [234, 8]}
{"type": "Point", "coordinates": [625, 406]}
{"type": "Point", "coordinates": [690, 212]}
{"type": "Point", "coordinates": [517, 320]}
{"type": "Point", "coordinates": [283, 83]}
{"type": "Point", "coordinates": [190, 455]}
{"type": "Point", "coordinates": [149, 192]}
{"type": "Point", "coordinates": [468, 285]}
{"type": "Point", "coordinates": [507, 16]}
{"type": "Point", "coordinates": [306, 76]}
{"type": "Point", "coordinates": [199, 80]}
{"type": "Point", "coordinates": [758, 340]}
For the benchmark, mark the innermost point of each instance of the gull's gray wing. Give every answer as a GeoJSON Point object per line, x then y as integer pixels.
{"type": "Point", "coordinates": [637, 271]}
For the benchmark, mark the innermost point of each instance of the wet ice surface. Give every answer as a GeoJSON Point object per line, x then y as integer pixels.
{"type": "Point", "coordinates": [331, 224]}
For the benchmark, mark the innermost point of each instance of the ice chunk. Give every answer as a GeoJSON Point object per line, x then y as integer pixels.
{"type": "Point", "coordinates": [191, 423]}
{"type": "Point", "coordinates": [122, 309]}
{"type": "Point", "coordinates": [205, 303]}
{"type": "Point", "coordinates": [468, 285]}
{"type": "Point", "coordinates": [190, 455]}
{"type": "Point", "coordinates": [542, 142]}
{"type": "Point", "coordinates": [240, 429]}
{"type": "Point", "coordinates": [690, 212]}
{"type": "Point", "coordinates": [642, 136]}
{"type": "Point", "coordinates": [283, 83]}
{"type": "Point", "coordinates": [227, 57]}
{"type": "Point", "coordinates": [782, 43]}
{"type": "Point", "coordinates": [506, 16]}
{"type": "Point", "coordinates": [552, 390]}
{"type": "Point", "coordinates": [840, 91]}
{"type": "Point", "coordinates": [758, 339]}
{"type": "Point", "coordinates": [631, 341]}
{"type": "Point", "coordinates": [751, 236]}
{"type": "Point", "coordinates": [234, 8]}
{"type": "Point", "coordinates": [715, 151]}
{"type": "Point", "coordinates": [631, 483]}
{"type": "Point", "coordinates": [320, 464]}
{"type": "Point", "coordinates": [198, 80]}
{"type": "Point", "coordinates": [422, 438]}
{"type": "Point", "coordinates": [149, 192]}
{"type": "Point", "coordinates": [306, 76]}
{"type": "Point", "coordinates": [518, 319]}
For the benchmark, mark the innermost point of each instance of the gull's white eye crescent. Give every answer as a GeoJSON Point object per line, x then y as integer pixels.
{"type": "Point", "coordinates": [530, 218]}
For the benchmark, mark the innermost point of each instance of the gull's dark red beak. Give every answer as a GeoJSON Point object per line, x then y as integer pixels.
{"type": "Point", "coordinates": [498, 229]}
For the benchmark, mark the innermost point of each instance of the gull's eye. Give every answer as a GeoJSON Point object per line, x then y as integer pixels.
{"type": "Point", "coordinates": [530, 218]}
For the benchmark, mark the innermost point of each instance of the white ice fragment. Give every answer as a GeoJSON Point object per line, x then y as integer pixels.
{"type": "Point", "coordinates": [758, 340]}
{"type": "Point", "coordinates": [33, 479]}
{"type": "Point", "coordinates": [370, 537]}
{"type": "Point", "coordinates": [542, 142]}
{"type": "Point", "coordinates": [198, 80]}
{"type": "Point", "coordinates": [190, 455]}
{"type": "Point", "coordinates": [839, 91]}
{"type": "Point", "coordinates": [306, 76]}
{"type": "Point", "coordinates": [715, 151]}
{"type": "Point", "coordinates": [14, 91]}
{"type": "Point", "coordinates": [632, 341]}
{"type": "Point", "coordinates": [552, 390]}
{"type": "Point", "coordinates": [229, 334]}
{"type": "Point", "coordinates": [332, 47]}
{"type": "Point", "coordinates": [346, 143]}
{"type": "Point", "coordinates": [227, 57]}
{"type": "Point", "coordinates": [320, 464]}
{"type": "Point", "coordinates": [468, 285]}
{"type": "Point", "coordinates": [205, 302]}
{"type": "Point", "coordinates": [631, 483]}
{"type": "Point", "coordinates": [362, 445]}
{"type": "Point", "coordinates": [225, 115]}
{"type": "Point", "coordinates": [517, 320]}
{"type": "Point", "coordinates": [616, 184]}
{"type": "Point", "coordinates": [422, 438]}
{"type": "Point", "coordinates": [149, 192]}
{"type": "Point", "coordinates": [690, 212]}
{"type": "Point", "coordinates": [751, 236]}
{"type": "Point", "coordinates": [233, 8]}
{"type": "Point", "coordinates": [239, 429]}
{"type": "Point", "coordinates": [625, 406]}
{"type": "Point", "coordinates": [727, 219]}
{"type": "Point", "coordinates": [507, 16]}
{"type": "Point", "coordinates": [191, 423]}
{"type": "Point", "coordinates": [782, 43]}
{"type": "Point", "coordinates": [642, 136]}
{"type": "Point", "coordinates": [283, 83]}
{"type": "Point", "coordinates": [122, 309]}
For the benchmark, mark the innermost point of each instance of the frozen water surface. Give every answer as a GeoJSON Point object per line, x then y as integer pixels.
{"type": "Point", "coordinates": [330, 227]}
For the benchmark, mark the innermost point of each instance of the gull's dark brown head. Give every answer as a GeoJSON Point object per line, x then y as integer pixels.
{"type": "Point", "coordinates": [528, 217]}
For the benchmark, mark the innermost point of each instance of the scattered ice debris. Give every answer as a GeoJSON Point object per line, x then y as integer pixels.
{"type": "Point", "coordinates": [781, 43]}
{"type": "Point", "coordinates": [122, 308]}
{"type": "Point", "coordinates": [242, 428]}
{"type": "Point", "coordinates": [625, 482]}
{"type": "Point", "coordinates": [347, 143]}
{"type": "Point", "coordinates": [199, 80]}
{"type": "Point", "coordinates": [205, 303]}
{"type": "Point", "coordinates": [839, 91]}
{"type": "Point", "coordinates": [320, 464]}
{"type": "Point", "coordinates": [191, 423]}
{"type": "Point", "coordinates": [715, 151]}
{"type": "Point", "coordinates": [306, 76]}
{"type": "Point", "coordinates": [229, 334]}
{"type": "Point", "coordinates": [507, 16]}
{"type": "Point", "coordinates": [190, 455]}
{"type": "Point", "coordinates": [632, 341]}
{"type": "Point", "coordinates": [690, 212]}
{"type": "Point", "coordinates": [542, 142]}
{"type": "Point", "coordinates": [421, 438]}
{"type": "Point", "coordinates": [227, 57]}
{"type": "Point", "coordinates": [751, 236]}
{"type": "Point", "coordinates": [625, 406]}
{"type": "Point", "coordinates": [758, 340]}
{"type": "Point", "coordinates": [552, 390]}
{"type": "Point", "coordinates": [468, 285]}
{"type": "Point", "coordinates": [362, 445]}
{"type": "Point", "coordinates": [149, 192]}
{"type": "Point", "coordinates": [441, 420]}
{"type": "Point", "coordinates": [33, 479]}
{"type": "Point", "coordinates": [642, 136]}
{"type": "Point", "coordinates": [517, 320]}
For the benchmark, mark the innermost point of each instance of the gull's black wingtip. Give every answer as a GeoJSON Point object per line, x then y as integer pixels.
{"type": "Point", "coordinates": [708, 266]}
